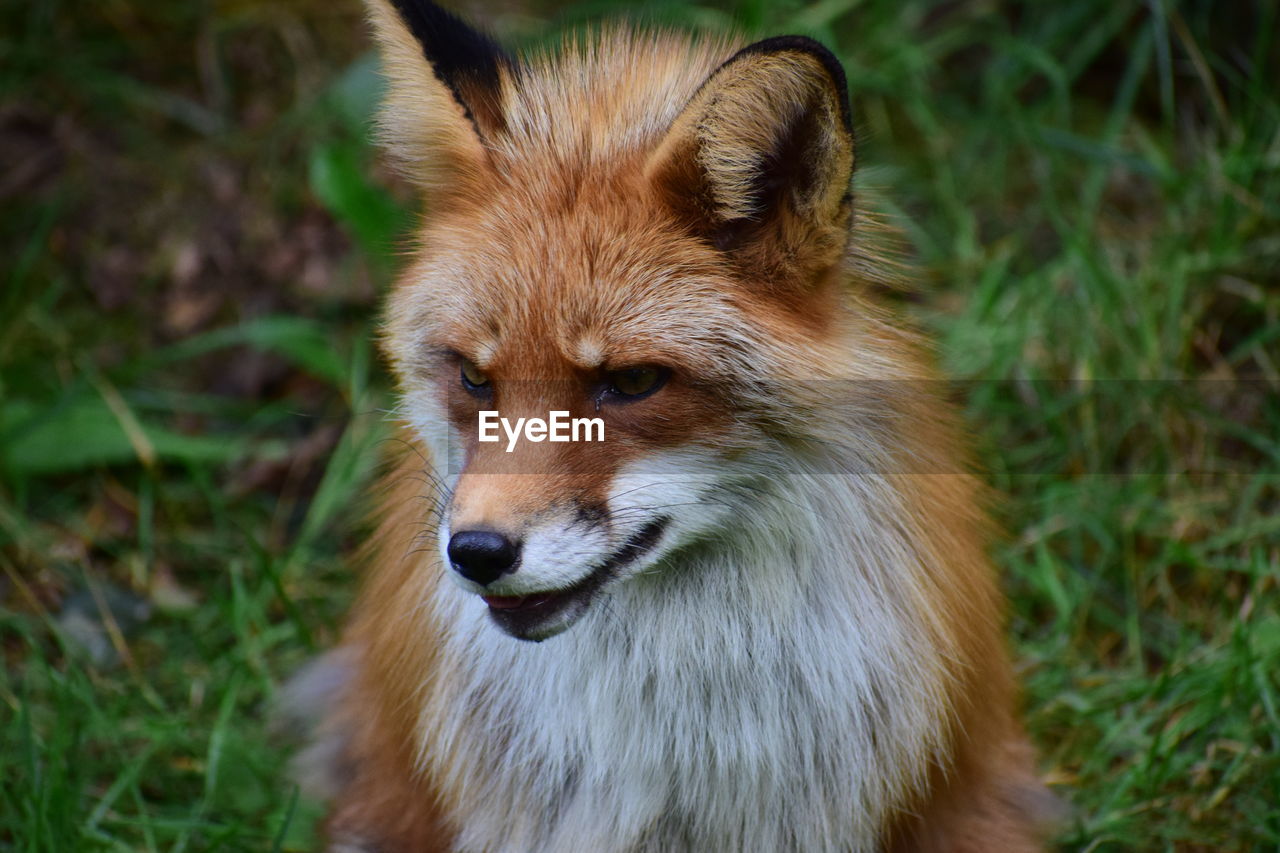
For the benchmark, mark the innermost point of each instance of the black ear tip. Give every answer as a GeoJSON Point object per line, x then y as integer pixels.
{"type": "Point", "coordinates": [465, 59]}
{"type": "Point", "coordinates": [816, 49]}
{"type": "Point", "coordinates": [454, 48]}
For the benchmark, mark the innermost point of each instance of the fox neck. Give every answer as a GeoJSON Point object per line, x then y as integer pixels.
{"type": "Point", "coordinates": [746, 693]}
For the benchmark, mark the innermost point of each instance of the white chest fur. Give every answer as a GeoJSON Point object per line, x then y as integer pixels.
{"type": "Point", "coordinates": [753, 698]}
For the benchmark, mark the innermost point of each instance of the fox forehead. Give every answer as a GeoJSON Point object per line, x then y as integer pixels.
{"type": "Point", "coordinates": [605, 282]}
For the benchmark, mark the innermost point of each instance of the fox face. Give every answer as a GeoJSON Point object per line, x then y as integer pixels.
{"type": "Point", "coordinates": [665, 265]}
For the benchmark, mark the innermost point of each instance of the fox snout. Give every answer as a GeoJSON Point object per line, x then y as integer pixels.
{"type": "Point", "coordinates": [539, 549]}
{"type": "Point", "coordinates": [483, 556]}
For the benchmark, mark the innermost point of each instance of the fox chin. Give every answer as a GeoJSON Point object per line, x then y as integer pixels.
{"type": "Point", "coordinates": [759, 614]}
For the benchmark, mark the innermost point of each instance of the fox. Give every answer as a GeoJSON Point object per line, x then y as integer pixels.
{"type": "Point", "coordinates": [759, 614]}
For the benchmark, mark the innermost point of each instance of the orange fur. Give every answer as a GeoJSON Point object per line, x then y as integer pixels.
{"type": "Point", "coordinates": [377, 713]}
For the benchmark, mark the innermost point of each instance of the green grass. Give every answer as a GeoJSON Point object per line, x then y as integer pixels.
{"type": "Point", "coordinates": [196, 233]}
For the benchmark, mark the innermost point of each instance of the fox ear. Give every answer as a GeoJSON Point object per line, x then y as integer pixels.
{"type": "Point", "coordinates": [444, 91]}
{"type": "Point", "coordinates": [759, 161]}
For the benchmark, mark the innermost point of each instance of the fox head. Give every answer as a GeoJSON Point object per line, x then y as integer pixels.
{"type": "Point", "coordinates": [640, 228]}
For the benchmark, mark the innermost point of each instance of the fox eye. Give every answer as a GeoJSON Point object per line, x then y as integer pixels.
{"type": "Point", "coordinates": [473, 379]}
{"type": "Point", "coordinates": [634, 382]}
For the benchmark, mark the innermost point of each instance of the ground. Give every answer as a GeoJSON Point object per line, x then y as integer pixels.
{"type": "Point", "coordinates": [197, 232]}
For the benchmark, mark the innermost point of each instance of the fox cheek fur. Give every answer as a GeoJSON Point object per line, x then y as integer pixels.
{"type": "Point", "coordinates": [767, 619]}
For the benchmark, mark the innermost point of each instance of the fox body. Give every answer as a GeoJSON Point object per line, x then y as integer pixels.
{"type": "Point", "coordinates": [759, 615]}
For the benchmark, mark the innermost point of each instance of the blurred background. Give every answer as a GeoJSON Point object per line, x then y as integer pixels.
{"type": "Point", "coordinates": [196, 232]}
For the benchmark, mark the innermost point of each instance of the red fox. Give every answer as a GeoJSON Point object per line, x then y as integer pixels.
{"type": "Point", "coordinates": [758, 613]}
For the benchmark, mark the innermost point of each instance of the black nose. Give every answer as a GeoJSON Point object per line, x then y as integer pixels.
{"type": "Point", "coordinates": [482, 555]}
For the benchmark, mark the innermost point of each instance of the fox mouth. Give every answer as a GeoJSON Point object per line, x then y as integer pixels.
{"type": "Point", "coordinates": [540, 615]}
